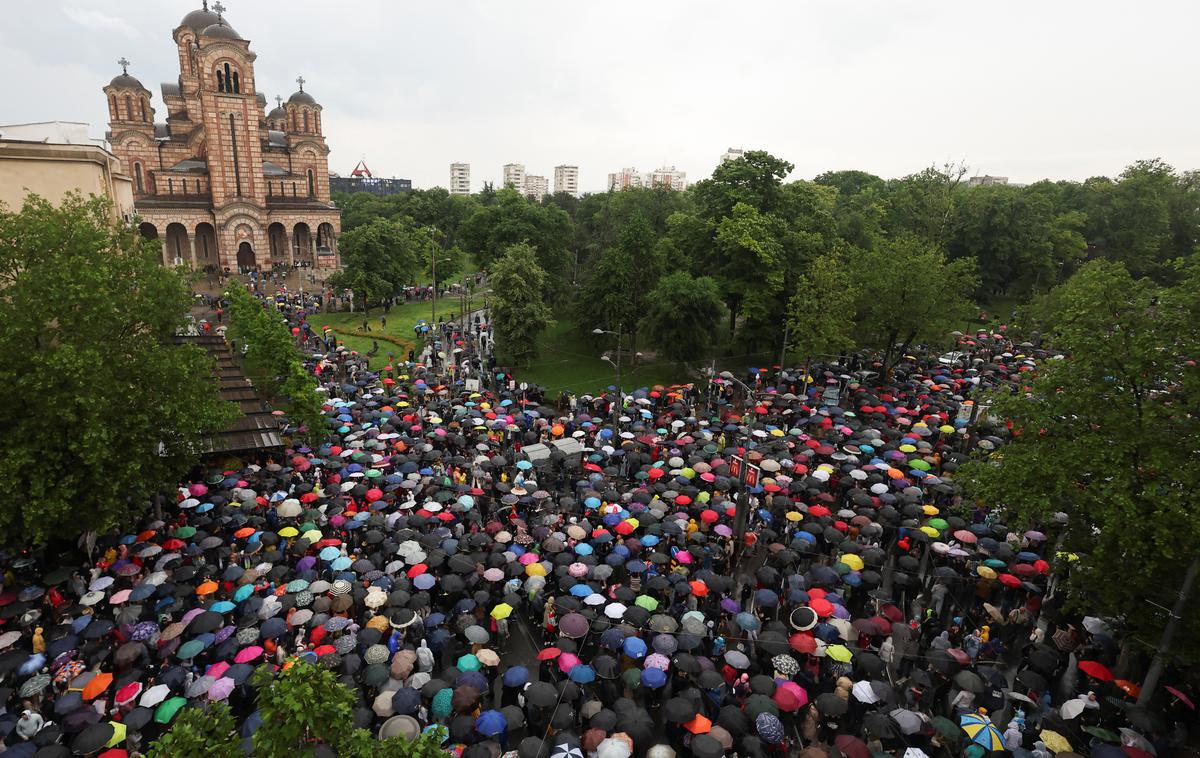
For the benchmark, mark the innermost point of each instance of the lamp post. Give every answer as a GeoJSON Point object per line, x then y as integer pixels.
{"type": "Point", "coordinates": [615, 364]}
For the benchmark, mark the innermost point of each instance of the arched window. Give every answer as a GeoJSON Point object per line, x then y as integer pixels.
{"type": "Point", "coordinates": [306, 121]}
{"type": "Point", "coordinates": [112, 104]}
{"type": "Point", "coordinates": [137, 178]}
{"type": "Point", "coordinates": [128, 108]}
{"type": "Point", "coordinates": [142, 108]}
{"type": "Point", "coordinates": [220, 80]}
{"type": "Point", "coordinates": [317, 121]}
{"type": "Point", "coordinates": [312, 184]}
{"type": "Point", "coordinates": [237, 86]}
{"type": "Point", "coordinates": [293, 121]}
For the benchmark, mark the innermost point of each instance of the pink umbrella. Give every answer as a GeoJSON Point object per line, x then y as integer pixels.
{"type": "Point", "coordinates": [217, 670]}
{"type": "Point", "coordinates": [119, 597]}
{"type": "Point", "coordinates": [528, 558]}
{"type": "Point", "coordinates": [577, 570]}
{"type": "Point", "coordinates": [493, 574]}
{"type": "Point", "coordinates": [790, 696]}
{"type": "Point", "coordinates": [568, 661]}
{"type": "Point", "coordinates": [683, 556]}
{"type": "Point", "coordinates": [248, 654]}
{"type": "Point", "coordinates": [962, 535]}
{"type": "Point", "coordinates": [657, 661]}
{"type": "Point", "coordinates": [221, 689]}
{"type": "Point", "coordinates": [198, 489]}
{"type": "Point", "coordinates": [1182, 697]}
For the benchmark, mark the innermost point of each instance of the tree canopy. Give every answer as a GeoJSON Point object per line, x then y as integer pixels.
{"type": "Point", "coordinates": [518, 303]}
{"type": "Point", "coordinates": [103, 409]}
{"type": "Point", "coordinates": [1104, 436]}
{"type": "Point", "coordinates": [381, 256]}
{"type": "Point", "coordinates": [682, 316]}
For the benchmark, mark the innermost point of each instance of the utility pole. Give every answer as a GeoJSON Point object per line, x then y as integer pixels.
{"type": "Point", "coordinates": [1168, 635]}
{"type": "Point", "coordinates": [783, 348]}
{"type": "Point", "coordinates": [739, 531]}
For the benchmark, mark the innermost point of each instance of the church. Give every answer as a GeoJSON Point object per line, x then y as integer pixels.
{"type": "Point", "coordinates": [221, 184]}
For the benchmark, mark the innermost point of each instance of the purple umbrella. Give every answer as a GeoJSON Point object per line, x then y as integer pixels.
{"type": "Point", "coordinates": [221, 689]}
{"type": "Point", "coordinates": [729, 605]}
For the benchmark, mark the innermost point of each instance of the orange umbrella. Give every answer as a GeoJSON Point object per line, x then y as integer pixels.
{"type": "Point", "coordinates": [207, 588]}
{"type": "Point", "coordinates": [699, 725]}
{"type": "Point", "coordinates": [97, 686]}
{"type": "Point", "coordinates": [1128, 687]}
{"type": "Point", "coordinates": [244, 532]}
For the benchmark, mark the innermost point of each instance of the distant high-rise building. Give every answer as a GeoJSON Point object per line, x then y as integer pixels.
{"type": "Point", "coordinates": [536, 187]}
{"type": "Point", "coordinates": [460, 178]}
{"type": "Point", "coordinates": [625, 178]}
{"type": "Point", "coordinates": [732, 154]}
{"type": "Point", "coordinates": [667, 177]}
{"type": "Point", "coordinates": [986, 181]}
{"type": "Point", "coordinates": [566, 179]}
{"type": "Point", "coordinates": [514, 176]}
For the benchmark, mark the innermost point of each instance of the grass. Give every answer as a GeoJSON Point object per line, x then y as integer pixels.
{"type": "Point", "coordinates": [566, 361]}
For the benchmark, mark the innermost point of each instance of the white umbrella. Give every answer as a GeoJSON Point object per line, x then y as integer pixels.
{"type": "Point", "coordinates": [154, 695]}
{"type": "Point", "coordinates": [613, 748]}
{"type": "Point", "coordinates": [289, 508]}
{"type": "Point", "coordinates": [864, 693]}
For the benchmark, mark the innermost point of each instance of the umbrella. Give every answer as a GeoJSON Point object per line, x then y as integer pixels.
{"type": "Point", "coordinates": [491, 723]}
{"type": "Point", "coordinates": [1054, 741]}
{"type": "Point", "coordinates": [982, 731]}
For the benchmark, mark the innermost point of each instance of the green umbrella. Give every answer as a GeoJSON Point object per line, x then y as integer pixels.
{"type": "Point", "coordinates": [189, 649]}
{"type": "Point", "coordinates": [947, 729]}
{"type": "Point", "coordinates": [373, 473]}
{"type": "Point", "coordinates": [647, 602]}
{"type": "Point", "coordinates": [441, 703]}
{"type": "Point", "coordinates": [168, 708]}
{"type": "Point", "coordinates": [758, 704]}
{"type": "Point", "coordinates": [469, 662]}
{"type": "Point", "coordinates": [631, 678]}
{"type": "Point", "coordinates": [1102, 734]}
{"type": "Point", "coordinates": [920, 463]}
{"type": "Point", "coordinates": [185, 532]}
{"type": "Point", "coordinates": [938, 523]}
{"type": "Point", "coordinates": [995, 563]}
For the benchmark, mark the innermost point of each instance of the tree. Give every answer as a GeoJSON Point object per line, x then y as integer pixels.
{"type": "Point", "coordinates": [682, 316]}
{"type": "Point", "coordinates": [200, 732]}
{"type": "Point", "coordinates": [751, 274]}
{"type": "Point", "coordinates": [272, 358]}
{"type": "Point", "coordinates": [821, 312]}
{"type": "Point", "coordinates": [103, 409]}
{"type": "Point", "coordinates": [513, 219]}
{"type": "Point", "coordinates": [381, 256]}
{"type": "Point", "coordinates": [518, 303]}
{"type": "Point", "coordinates": [300, 705]}
{"type": "Point", "coordinates": [922, 204]}
{"type": "Point", "coordinates": [616, 292]}
{"type": "Point", "coordinates": [907, 292]}
{"type": "Point", "coordinates": [1105, 436]}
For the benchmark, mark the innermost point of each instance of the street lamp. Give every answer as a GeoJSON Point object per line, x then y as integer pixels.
{"type": "Point", "coordinates": [615, 364]}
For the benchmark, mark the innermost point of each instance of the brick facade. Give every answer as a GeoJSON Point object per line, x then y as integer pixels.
{"type": "Point", "coordinates": [222, 182]}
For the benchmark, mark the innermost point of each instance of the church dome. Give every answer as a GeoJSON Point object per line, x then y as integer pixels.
{"type": "Point", "coordinates": [220, 30]}
{"type": "Point", "coordinates": [279, 114]}
{"type": "Point", "coordinates": [302, 97]}
{"type": "Point", "coordinates": [200, 19]}
{"type": "Point", "coordinates": [125, 81]}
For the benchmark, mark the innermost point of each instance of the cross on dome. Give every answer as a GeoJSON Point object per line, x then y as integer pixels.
{"type": "Point", "coordinates": [300, 81]}
{"type": "Point", "coordinates": [219, 8]}
{"type": "Point", "coordinates": [124, 64]}
{"type": "Point", "coordinates": [278, 101]}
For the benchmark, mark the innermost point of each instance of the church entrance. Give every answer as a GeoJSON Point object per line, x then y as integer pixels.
{"type": "Point", "coordinates": [245, 257]}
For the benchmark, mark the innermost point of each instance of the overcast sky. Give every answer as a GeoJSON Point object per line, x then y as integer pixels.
{"type": "Point", "coordinates": [1025, 89]}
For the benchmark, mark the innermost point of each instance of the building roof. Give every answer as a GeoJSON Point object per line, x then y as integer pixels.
{"type": "Point", "coordinates": [272, 169]}
{"type": "Point", "coordinates": [190, 164]}
{"type": "Point", "coordinates": [256, 427]}
{"type": "Point", "coordinates": [51, 133]}
{"type": "Point", "coordinates": [201, 18]}
{"type": "Point", "coordinates": [220, 30]}
{"type": "Point", "coordinates": [300, 96]}
{"type": "Point", "coordinates": [125, 81]}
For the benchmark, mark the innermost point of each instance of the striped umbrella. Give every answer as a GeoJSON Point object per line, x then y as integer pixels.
{"type": "Point", "coordinates": [982, 731]}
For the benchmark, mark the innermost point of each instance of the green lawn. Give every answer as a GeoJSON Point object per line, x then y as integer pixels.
{"type": "Point", "coordinates": [568, 362]}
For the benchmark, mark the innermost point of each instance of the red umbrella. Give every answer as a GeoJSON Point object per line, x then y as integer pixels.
{"type": "Point", "coordinates": [803, 643]}
{"type": "Point", "coordinates": [549, 654]}
{"type": "Point", "coordinates": [1096, 670]}
{"type": "Point", "coordinates": [708, 515]}
{"type": "Point", "coordinates": [1182, 697]}
{"type": "Point", "coordinates": [1008, 580]}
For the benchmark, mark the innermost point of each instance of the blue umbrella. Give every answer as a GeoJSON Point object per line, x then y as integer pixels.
{"type": "Point", "coordinates": [222, 606]}
{"type": "Point", "coordinates": [581, 590]}
{"type": "Point", "coordinates": [516, 676]}
{"type": "Point", "coordinates": [32, 664]}
{"type": "Point", "coordinates": [329, 553]}
{"type": "Point", "coordinates": [582, 674]}
{"type": "Point", "coordinates": [406, 701]}
{"type": "Point", "coordinates": [654, 678]}
{"type": "Point", "coordinates": [634, 647]}
{"type": "Point", "coordinates": [747, 621]}
{"type": "Point", "coordinates": [491, 723]}
{"type": "Point", "coordinates": [612, 638]}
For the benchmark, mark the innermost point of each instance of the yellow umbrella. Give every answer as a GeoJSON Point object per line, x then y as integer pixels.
{"type": "Point", "coordinates": [288, 531]}
{"type": "Point", "coordinates": [119, 731]}
{"type": "Point", "coordinates": [987, 572]}
{"type": "Point", "coordinates": [502, 611]}
{"type": "Point", "coordinates": [839, 653]}
{"type": "Point", "coordinates": [929, 530]}
{"type": "Point", "coordinates": [1055, 741]}
{"type": "Point", "coordinates": [946, 429]}
{"type": "Point", "coordinates": [853, 561]}
{"type": "Point", "coordinates": [535, 569]}
{"type": "Point", "coordinates": [313, 535]}
{"type": "Point", "coordinates": [794, 516]}
{"type": "Point", "coordinates": [930, 510]}
{"type": "Point", "coordinates": [908, 449]}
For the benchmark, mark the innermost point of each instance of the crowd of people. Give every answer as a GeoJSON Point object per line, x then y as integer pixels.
{"type": "Point", "coordinates": [771, 565]}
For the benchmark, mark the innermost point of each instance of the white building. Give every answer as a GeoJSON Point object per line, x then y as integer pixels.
{"type": "Point", "coordinates": [460, 178]}
{"type": "Point", "coordinates": [626, 177]}
{"type": "Point", "coordinates": [986, 181]}
{"type": "Point", "coordinates": [732, 154]}
{"type": "Point", "coordinates": [536, 187]}
{"type": "Point", "coordinates": [667, 177]}
{"type": "Point", "coordinates": [566, 179]}
{"type": "Point", "coordinates": [514, 176]}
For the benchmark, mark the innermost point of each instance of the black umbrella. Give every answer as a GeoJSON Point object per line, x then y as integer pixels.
{"type": "Point", "coordinates": [93, 738]}
{"type": "Point", "coordinates": [969, 681]}
{"type": "Point", "coordinates": [880, 724]}
{"type": "Point", "coordinates": [541, 694]}
{"type": "Point", "coordinates": [830, 704]}
{"type": "Point", "coordinates": [1032, 679]}
{"type": "Point", "coordinates": [678, 710]}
